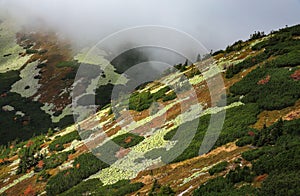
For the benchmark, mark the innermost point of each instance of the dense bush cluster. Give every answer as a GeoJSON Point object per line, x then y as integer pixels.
{"type": "Point", "coordinates": [158, 190]}
{"type": "Point", "coordinates": [281, 41]}
{"type": "Point", "coordinates": [95, 187]}
{"type": "Point", "coordinates": [56, 159]}
{"type": "Point", "coordinates": [226, 185]}
{"type": "Point", "coordinates": [281, 45]}
{"type": "Point", "coordinates": [244, 141]}
{"type": "Point", "coordinates": [181, 67]}
{"type": "Point", "coordinates": [237, 46]}
{"type": "Point", "coordinates": [248, 62]}
{"type": "Point", "coordinates": [31, 51]}
{"type": "Point", "coordinates": [27, 154]}
{"type": "Point", "coordinates": [277, 156]}
{"type": "Point", "coordinates": [34, 122]}
{"type": "Point", "coordinates": [235, 126]}
{"type": "Point", "coordinates": [223, 186]}
{"type": "Point", "coordinates": [218, 168]}
{"type": "Point", "coordinates": [169, 96]}
{"type": "Point", "coordinates": [72, 64]}
{"type": "Point", "coordinates": [7, 80]}
{"type": "Point", "coordinates": [257, 35]}
{"type": "Point", "coordinates": [57, 144]}
{"type": "Point", "coordinates": [83, 166]}
{"type": "Point", "coordinates": [140, 101]}
{"type": "Point", "coordinates": [161, 93]}
{"type": "Point", "coordinates": [128, 140]}
{"type": "Point", "coordinates": [279, 92]}
{"type": "Point", "coordinates": [290, 59]}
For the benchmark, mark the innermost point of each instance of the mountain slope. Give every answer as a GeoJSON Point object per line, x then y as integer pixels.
{"type": "Point", "coordinates": [256, 153]}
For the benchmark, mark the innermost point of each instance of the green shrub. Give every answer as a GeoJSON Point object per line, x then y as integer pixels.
{"type": "Point", "coordinates": [281, 44]}
{"type": "Point", "coordinates": [257, 35]}
{"type": "Point", "coordinates": [170, 134]}
{"type": "Point", "coordinates": [169, 97]}
{"type": "Point", "coordinates": [237, 46]}
{"type": "Point", "coordinates": [31, 51]}
{"type": "Point", "coordinates": [277, 146]}
{"type": "Point", "coordinates": [247, 63]}
{"type": "Point", "coordinates": [84, 187]}
{"type": "Point", "coordinates": [27, 154]}
{"type": "Point", "coordinates": [128, 140]}
{"type": "Point", "coordinates": [72, 64]}
{"type": "Point", "coordinates": [278, 183]}
{"type": "Point", "coordinates": [42, 176]}
{"type": "Point", "coordinates": [269, 136]}
{"type": "Point", "coordinates": [290, 59]}
{"type": "Point", "coordinates": [216, 185]}
{"type": "Point", "coordinates": [181, 67]}
{"type": "Point", "coordinates": [240, 175]}
{"type": "Point", "coordinates": [84, 166]}
{"type": "Point", "coordinates": [279, 92]}
{"type": "Point", "coordinates": [55, 160]}
{"type": "Point", "coordinates": [235, 126]}
{"type": "Point", "coordinates": [229, 100]}
{"type": "Point", "coordinates": [161, 93]}
{"type": "Point", "coordinates": [253, 154]}
{"type": "Point", "coordinates": [166, 190]}
{"type": "Point", "coordinates": [95, 187]}
{"type": "Point", "coordinates": [7, 80]}
{"type": "Point", "coordinates": [140, 101]}
{"type": "Point", "coordinates": [279, 159]}
{"type": "Point", "coordinates": [35, 122]}
{"type": "Point", "coordinates": [244, 141]}
{"type": "Point", "coordinates": [218, 52]}
{"type": "Point", "coordinates": [57, 144]}
{"type": "Point", "coordinates": [218, 168]}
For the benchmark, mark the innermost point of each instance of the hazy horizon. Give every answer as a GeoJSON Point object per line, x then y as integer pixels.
{"type": "Point", "coordinates": [214, 23]}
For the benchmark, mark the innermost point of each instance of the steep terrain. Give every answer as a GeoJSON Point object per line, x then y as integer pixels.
{"type": "Point", "coordinates": [256, 153]}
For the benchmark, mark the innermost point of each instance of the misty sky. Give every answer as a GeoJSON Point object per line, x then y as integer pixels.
{"type": "Point", "coordinates": [215, 23]}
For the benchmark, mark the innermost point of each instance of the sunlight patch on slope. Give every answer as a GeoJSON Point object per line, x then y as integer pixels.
{"type": "Point", "coordinates": [9, 46]}
{"type": "Point", "coordinates": [28, 85]}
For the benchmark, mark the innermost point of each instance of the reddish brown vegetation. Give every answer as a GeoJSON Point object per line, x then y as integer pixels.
{"type": "Point", "coordinates": [29, 143]}
{"type": "Point", "coordinates": [128, 140]}
{"type": "Point", "coordinates": [264, 80]}
{"type": "Point", "coordinates": [29, 191]}
{"type": "Point", "coordinates": [261, 178]}
{"type": "Point", "coordinates": [3, 95]}
{"type": "Point", "coordinates": [40, 164]}
{"type": "Point", "coordinates": [66, 174]}
{"type": "Point", "coordinates": [296, 75]}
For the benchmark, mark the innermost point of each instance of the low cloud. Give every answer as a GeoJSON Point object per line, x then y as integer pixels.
{"type": "Point", "coordinates": [215, 23]}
